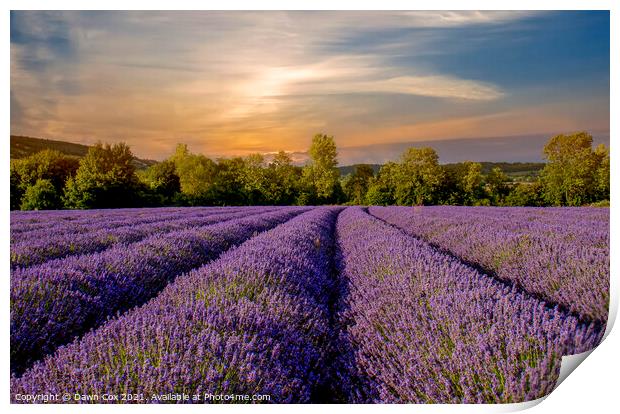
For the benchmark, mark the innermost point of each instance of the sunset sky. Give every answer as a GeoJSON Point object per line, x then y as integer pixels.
{"type": "Point", "coordinates": [233, 83]}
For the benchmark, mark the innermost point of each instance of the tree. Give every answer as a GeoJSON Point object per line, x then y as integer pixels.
{"type": "Point", "coordinates": [196, 175]}
{"type": "Point", "coordinates": [42, 195]}
{"type": "Point", "coordinates": [254, 179]}
{"type": "Point", "coordinates": [601, 174]}
{"type": "Point", "coordinates": [569, 176]}
{"type": "Point", "coordinates": [228, 183]}
{"type": "Point", "coordinates": [496, 185]}
{"type": "Point", "coordinates": [44, 165]}
{"type": "Point", "coordinates": [106, 178]}
{"type": "Point", "coordinates": [355, 186]}
{"type": "Point", "coordinates": [418, 177]}
{"type": "Point", "coordinates": [381, 188]}
{"type": "Point", "coordinates": [282, 180]}
{"type": "Point", "coordinates": [48, 165]}
{"type": "Point", "coordinates": [162, 179]}
{"type": "Point", "coordinates": [527, 194]}
{"type": "Point", "coordinates": [17, 191]}
{"type": "Point", "coordinates": [321, 175]}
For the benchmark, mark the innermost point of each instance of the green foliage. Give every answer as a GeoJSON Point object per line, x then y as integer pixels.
{"type": "Point", "coordinates": [602, 203]}
{"type": "Point", "coordinates": [463, 184]}
{"type": "Point", "coordinates": [497, 185]}
{"type": "Point", "coordinates": [106, 178]}
{"type": "Point", "coordinates": [22, 147]}
{"type": "Point", "coordinates": [282, 179]}
{"type": "Point", "coordinates": [355, 185]}
{"type": "Point", "coordinates": [228, 184]}
{"type": "Point", "coordinates": [160, 183]}
{"type": "Point", "coordinates": [17, 191]}
{"type": "Point", "coordinates": [162, 178]}
{"type": "Point", "coordinates": [254, 179]}
{"type": "Point", "coordinates": [44, 165]}
{"type": "Point", "coordinates": [509, 168]}
{"type": "Point", "coordinates": [418, 177]}
{"type": "Point", "coordinates": [381, 188]}
{"type": "Point", "coordinates": [601, 173]}
{"type": "Point", "coordinates": [42, 195]}
{"type": "Point", "coordinates": [527, 194]}
{"type": "Point", "coordinates": [320, 176]}
{"type": "Point", "coordinates": [569, 177]}
{"type": "Point", "coordinates": [196, 173]}
{"type": "Point", "coordinates": [26, 146]}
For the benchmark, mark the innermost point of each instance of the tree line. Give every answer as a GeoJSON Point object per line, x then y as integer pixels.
{"type": "Point", "coordinates": [574, 174]}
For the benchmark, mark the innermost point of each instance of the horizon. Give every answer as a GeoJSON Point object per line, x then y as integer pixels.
{"type": "Point", "coordinates": [234, 83]}
{"type": "Point", "coordinates": [379, 154]}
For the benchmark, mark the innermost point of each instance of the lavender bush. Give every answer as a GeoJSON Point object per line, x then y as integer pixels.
{"type": "Point", "coordinates": [425, 328]}
{"type": "Point", "coordinates": [256, 321]}
{"type": "Point", "coordinates": [25, 221]}
{"type": "Point", "coordinates": [92, 224]}
{"type": "Point", "coordinates": [560, 255]}
{"type": "Point", "coordinates": [59, 300]}
{"type": "Point", "coordinates": [47, 244]}
{"type": "Point", "coordinates": [394, 305]}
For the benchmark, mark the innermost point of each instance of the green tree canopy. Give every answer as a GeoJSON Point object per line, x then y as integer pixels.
{"type": "Point", "coordinates": [282, 179]}
{"type": "Point", "coordinates": [497, 185]}
{"type": "Point", "coordinates": [381, 188]}
{"type": "Point", "coordinates": [229, 183]}
{"type": "Point", "coordinates": [48, 165]}
{"type": "Point", "coordinates": [162, 179]}
{"type": "Point", "coordinates": [418, 177]}
{"type": "Point", "coordinates": [196, 172]}
{"type": "Point", "coordinates": [356, 184]}
{"type": "Point", "coordinates": [17, 191]}
{"type": "Point", "coordinates": [569, 176]}
{"type": "Point", "coordinates": [255, 179]}
{"type": "Point", "coordinates": [42, 195]}
{"type": "Point", "coordinates": [106, 178]}
{"type": "Point", "coordinates": [321, 174]}
{"type": "Point", "coordinates": [527, 194]}
{"type": "Point", "coordinates": [601, 174]}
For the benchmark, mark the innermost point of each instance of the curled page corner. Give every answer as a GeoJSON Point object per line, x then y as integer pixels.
{"type": "Point", "coordinates": [514, 407]}
{"type": "Point", "coordinates": [569, 364]}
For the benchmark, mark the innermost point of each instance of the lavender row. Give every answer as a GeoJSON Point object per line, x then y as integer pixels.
{"type": "Point", "coordinates": [425, 328]}
{"type": "Point", "coordinates": [256, 321]}
{"type": "Point", "coordinates": [20, 229]}
{"type": "Point", "coordinates": [48, 246]}
{"type": "Point", "coordinates": [90, 225]}
{"type": "Point", "coordinates": [38, 219]}
{"type": "Point", "coordinates": [563, 258]}
{"type": "Point", "coordinates": [55, 302]}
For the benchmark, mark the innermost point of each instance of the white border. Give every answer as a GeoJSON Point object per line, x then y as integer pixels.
{"type": "Point", "coordinates": [591, 388]}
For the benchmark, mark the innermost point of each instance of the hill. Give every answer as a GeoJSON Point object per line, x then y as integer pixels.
{"type": "Point", "coordinates": [512, 169]}
{"type": "Point", "coordinates": [348, 169]}
{"type": "Point", "coordinates": [22, 147]}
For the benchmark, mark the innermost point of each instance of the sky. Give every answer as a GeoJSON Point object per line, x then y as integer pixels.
{"type": "Point", "coordinates": [480, 85]}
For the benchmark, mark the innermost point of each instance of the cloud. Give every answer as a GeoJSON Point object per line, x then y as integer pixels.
{"type": "Point", "coordinates": [235, 82]}
{"type": "Point", "coordinates": [447, 18]}
{"type": "Point", "coordinates": [362, 74]}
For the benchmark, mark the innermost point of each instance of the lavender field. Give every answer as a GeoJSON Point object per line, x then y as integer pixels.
{"type": "Point", "coordinates": [303, 304]}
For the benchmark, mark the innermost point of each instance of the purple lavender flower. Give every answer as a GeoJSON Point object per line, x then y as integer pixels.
{"type": "Point", "coordinates": [423, 327]}
{"type": "Point", "coordinates": [54, 302]}
{"type": "Point", "coordinates": [256, 321]}
{"type": "Point", "coordinates": [558, 254]}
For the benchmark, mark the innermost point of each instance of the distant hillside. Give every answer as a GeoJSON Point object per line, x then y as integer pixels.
{"type": "Point", "coordinates": [24, 146]}
{"type": "Point", "coordinates": [348, 169]}
{"type": "Point", "coordinates": [512, 169]}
